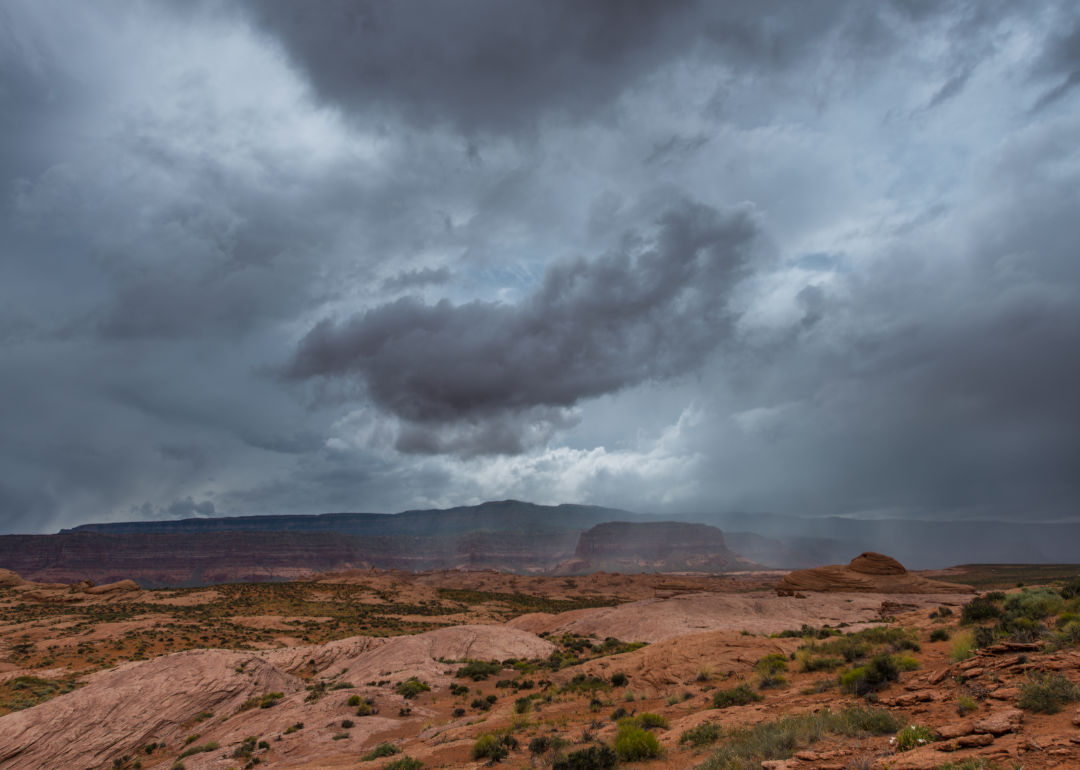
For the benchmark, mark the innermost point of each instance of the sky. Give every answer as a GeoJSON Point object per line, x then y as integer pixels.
{"type": "Point", "coordinates": [810, 258]}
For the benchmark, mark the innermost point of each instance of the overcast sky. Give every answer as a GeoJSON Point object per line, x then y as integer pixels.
{"type": "Point", "coordinates": [813, 258]}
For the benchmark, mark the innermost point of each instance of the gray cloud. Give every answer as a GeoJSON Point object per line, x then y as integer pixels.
{"type": "Point", "coordinates": [409, 279]}
{"type": "Point", "coordinates": [649, 311]}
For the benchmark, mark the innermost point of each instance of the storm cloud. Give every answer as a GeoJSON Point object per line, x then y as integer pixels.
{"type": "Point", "coordinates": [815, 258]}
{"type": "Point", "coordinates": [650, 311]}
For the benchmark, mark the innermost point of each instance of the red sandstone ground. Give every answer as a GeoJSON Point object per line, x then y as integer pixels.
{"type": "Point", "coordinates": [706, 634]}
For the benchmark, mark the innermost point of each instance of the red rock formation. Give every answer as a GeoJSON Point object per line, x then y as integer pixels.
{"type": "Point", "coordinates": [867, 573]}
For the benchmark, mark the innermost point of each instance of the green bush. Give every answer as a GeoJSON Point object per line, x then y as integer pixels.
{"type": "Point", "coordinates": [211, 746]}
{"type": "Point", "coordinates": [939, 635]}
{"type": "Point", "coordinates": [965, 703]}
{"type": "Point", "coordinates": [493, 747]}
{"type": "Point", "coordinates": [592, 758]}
{"type": "Point", "coordinates": [878, 672]}
{"type": "Point", "coordinates": [963, 647]}
{"type": "Point", "coordinates": [912, 737]}
{"type": "Point", "coordinates": [382, 750]}
{"type": "Point", "coordinates": [1035, 604]}
{"type": "Point", "coordinates": [1071, 590]}
{"type": "Point", "coordinates": [769, 668]}
{"type": "Point", "coordinates": [412, 687]}
{"type": "Point", "coordinates": [405, 763]}
{"type": "Point", "coordinates": [649, 720]}
{"type": "Point", "coordinates": [736, 696]}
{"type": "Point", "coordinates": [354, 700]}
{"type": "Point", "coordinates": [702, 735]}
{"type": "Point", "coordinates": [633, 743]}
{"type": "Point", "coordinates": [478, 670]}
{"type": "Point", "coordinates": [978, 610]}
{"type": "Point", "coordinates": [745, 748]}
{"type": "Point", "coordinates": [522, 706]}
{"type": "Point", "coordinates": [1047, 693]}
{"type": "Point", "coordinates": [619, 679]}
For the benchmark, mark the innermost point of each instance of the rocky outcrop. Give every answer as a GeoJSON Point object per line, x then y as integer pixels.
{"type": "Point", "coordinates": [136, 704]}
{"type": "Point", "coordinates": [668, 546]}
{"type": "Point", "coordinates": [867, 573]}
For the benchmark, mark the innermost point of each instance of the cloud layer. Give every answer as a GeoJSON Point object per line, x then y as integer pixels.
{"type": "Point", "coordinates": [812, 258]}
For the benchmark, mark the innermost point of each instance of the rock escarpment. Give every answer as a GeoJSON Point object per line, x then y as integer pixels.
{"type": "Point", "coordinates": [867, 573]}
{"type": "Point", "coordinates": [653, 547]}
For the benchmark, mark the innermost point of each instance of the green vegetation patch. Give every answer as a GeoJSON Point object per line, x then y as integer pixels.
{"type": "Point", "coordinates": [1047, 693]}
{"type": "Point", "coordinates": [736, 696]}
{"type": "Point", "coordinates": [745, 748]}
{"type": "Point", "coordinates": [23, 692]}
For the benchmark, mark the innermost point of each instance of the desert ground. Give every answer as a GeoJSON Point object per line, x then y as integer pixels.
{"type": "Point", "coordinates": [370, 669]}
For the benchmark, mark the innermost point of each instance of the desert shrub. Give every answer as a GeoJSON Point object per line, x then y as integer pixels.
{"type": "Point", "coordinates": [1035, 604]}
{"type": "Point", "coordinates": [862, 680]}
{"type": "Point", "coordinates": [745, 748]}
{"type": "Point", "coordinates": [702, 735]}
{"type": "Point", "coordinates": [177, 765]}
{"type": "Point", "coordinates": [354, 700]}
{"type": "Point", "coordinates": [412, 687]}
{"type": "Point", "coordinates": [211, 746]}
{"type": "Point", "coordinates": [769, 668]}
{"type": "Point", "coordinates": [522, 706]}
{"type": "Point", "coordinates": [404, 763]}
{"type": "Point", "coordinates": [629, 696]}
{"type": "Point", "coordinates": [906, 663]}
{"type": "Point", "coordinates": [633, 743]}
{"type": "Point", "coordinates": [1066, 618]}
{"type": "Point", "coordinates": [364, 709]}
{"type": "Point", "coordinates": [1047, 693]}
{"type": "Point", "coordinates": [978, 610]}
{"type": "Point", "coordinates": [619, 713]}
{"type": "Point", "coordinates": [340, 686]}
{"type": "Point", "coordinates": [478, 670]}
{"type": "Point", "coordinates": [382, 750]}
{"type": "Point", "coordinates": [912, 737]}
{"type": "Point", "coordinates": [939, 635]}
{"type": "Point", "coordinates": [493, 747]}
{"type": "Point", "coordinates": [591, 758]}
{"type": "Point", "coordinates": [619, 679]}
{"type": "Point", "coordinates": [704, 674]}
{"type": "Point", "coordinates": [458, 689]}
{"type": "Point", "coordinates": [941, 612]}
{"type": "Point", "coordinates": [293, 728]}
{"type": "Point", "coordinates": [809, 663]}
{"type": "Point", "coordinates": [539, 744]}
{"type": "Point", "coordinates": [341, 735]}
{"type": "Point", "coordinates": [480, 704]}
{"type": "Point", "coordinates": [964, 704]}
{"type": "Point", "coordinates": [347, 723]}
{"type": "Point", "coordinates": [962, 646]}
{"type": "Point", "coordinates": [1067, 635]}
{"type": "Point", "coordinates": [1071, 590]}
{"type": "Point", "coordinates": [736, 696]}
{"type": "Point", "coordinates": [900, 645]}
{"type": "Point", "coordinates": [1019, 629]}
{"type": "Point", "coordinates": [649, 720]}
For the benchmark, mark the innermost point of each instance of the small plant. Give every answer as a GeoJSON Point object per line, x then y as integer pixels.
{"type": "Point", "coordinates": [704, 674]}
{"type": "Point", "coordinates": [341, 735]}
{"type": "Point", "coordinates": [346, 723]}
{"type": "Point", "coordinates": [458, 690]}
{"type": "Point", "coordinates": [877, 673]}
{"type": "Point", "coordinates": [619, 713]}
{"type": "Point", "coordinates": [979, 609]}
{"type": "Point", "coordinates": [939, 635]}
{"type": "Point", "coordinates": [293, 728]}
{"type": "Point", "coordinates": [619, 679]}
{"type": "Point", "coordinates": [702, 735]}
{"type": "Point", "coordinates": [522, 706]}
{"type": "Point", "coordinates": [633, 743]}
{"type": "Point", "coordinates": [963, 646]}
{"type": "Point", "coordinates": [493, 747]}
{"type": "Point", "coordinates": [478, 670]}
{"type": "Point", "coordinates": [1047, 693]}
{"type": "Point", "coordinates": [964, 704]}
{"type": "Point", "coordinates": [649, 720]}
{"type": "Point", "coordinates": [363, 709]}
{"type": "Point", "coordinates": [628, 696]}
{"type": "Point", "coordinates": [211, 746]}
{"type": "Point", "coordinates": [736, 696]}
{"type": "Point", "coordinates": [591, 758]}
{"type": "Point", "coordinates": [382, 750]}
{"type": "Point", "coordinates": [354, 700]}
{"type": "Point", "coordinates": [404, 763]}
{"type": "Point", "coordinates": [912, 737]}
{"type": "Point", "coordinates": [412, 687]}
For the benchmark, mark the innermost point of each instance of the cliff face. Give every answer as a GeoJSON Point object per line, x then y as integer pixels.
{"type": "Point", "coordinates": [653, 547]}
{"type": "Point", "coordinates": [158, 560]}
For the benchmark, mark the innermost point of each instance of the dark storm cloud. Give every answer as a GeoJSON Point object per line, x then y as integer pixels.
{"type": "Point", "coordinates": [650, 311]}
{"type": "Point", "coordinates": [500, 66]}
